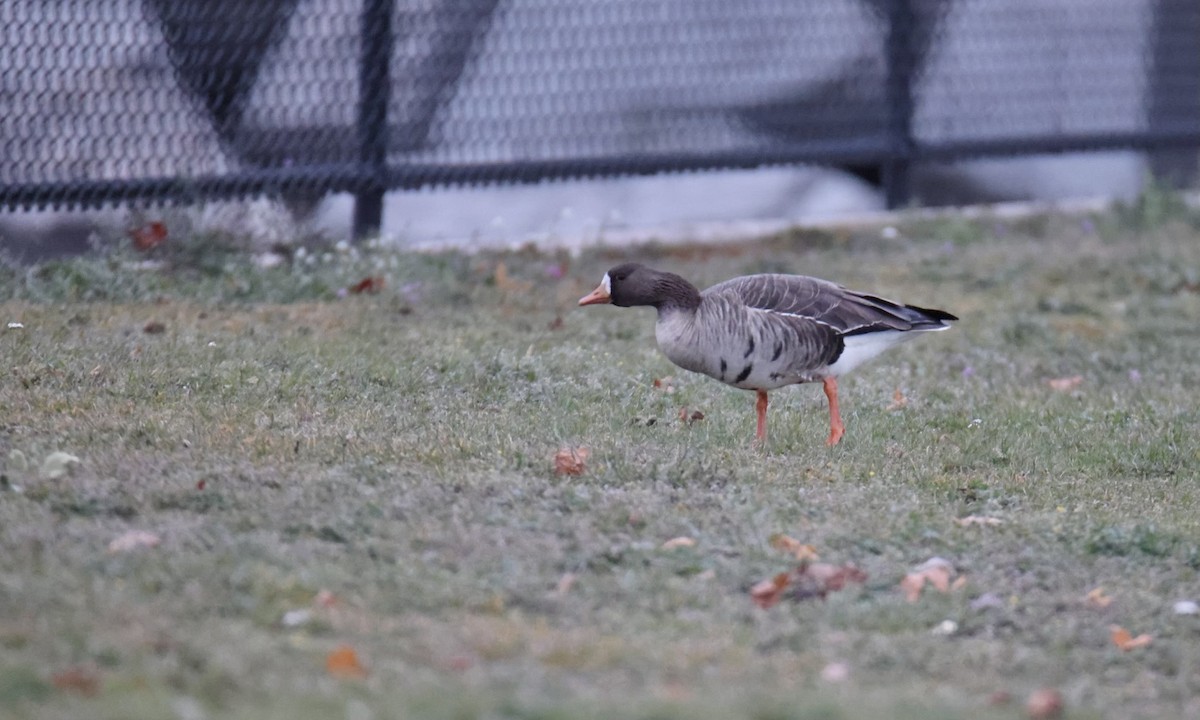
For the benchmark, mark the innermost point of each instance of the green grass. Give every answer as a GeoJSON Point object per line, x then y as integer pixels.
{"type": "Point", "coordinates": [396, 450]}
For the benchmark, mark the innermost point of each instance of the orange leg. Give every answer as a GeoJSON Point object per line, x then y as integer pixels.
{"type": "Point", "coordinates": [760, 435]}
{"type": "Point", "coordinates": [836, 428]}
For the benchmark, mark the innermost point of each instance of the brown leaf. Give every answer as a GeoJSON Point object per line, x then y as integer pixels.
{"type": "Point", "coordinates": [571, 461]}
{"type": "Point", "coordinates": [934, 571]}
{"type": "Point", "coordinates": [1065, 384]}
{"type": "Point", "coordinates": [505, 283]}
{"type": "Point", "coordinates": [689, 417]}
{"type": "Point", "coordinates": [1097, 599]}
{"type": "Point", "coordinates": [343, 663]}
{"type": "Point", "coordinates": [154, 327]}
{"type": "Point", "coordinates": [1125, 640]}
{"type": "Point", "coordinates": [788, 544]}
{"type": "Point", "coordinates": [556, 323]}
{"type": "Point", "coordinates": [679, 542]}
{"type": "Point", "coordinates": [810, 580]}
{"type": "Point", "coordinates": [665, 384]}
{"type": "Point", "coordinates": [832, 578]}
{"type": "Point", "coordinates": [368, 285]}
{"type": "Point", "coordinates": [81, 680]}
{"type": "Point", "coordinates": [1044, 704]}
{"type": "Point", "coordinates": [766, 593]}
{"type": "Point", "coordinates": [970, 520]}
{"type": "Point", "coordinates": [148, 236]}
{"type": "Point", "coordinates": [132, 540]}
{"type": "Point", "coordinates": [898, 401]}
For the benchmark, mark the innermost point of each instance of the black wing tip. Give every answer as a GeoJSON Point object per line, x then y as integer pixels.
{"type": "Point", "coordinates": [934, 314]}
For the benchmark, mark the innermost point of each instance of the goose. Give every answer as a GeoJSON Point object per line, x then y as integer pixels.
{"type": "Point", "coordinates": [764, 332]}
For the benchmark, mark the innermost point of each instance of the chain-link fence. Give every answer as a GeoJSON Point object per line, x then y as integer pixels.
{"type": "Point", "coordinates": [184, 100]}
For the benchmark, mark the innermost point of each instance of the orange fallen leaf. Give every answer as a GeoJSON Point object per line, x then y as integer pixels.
{"type": "Point", "coordinates": [690, 417]}
{"type": "Point", "coordinates": [788, 544]}
{"type": "Point", "coordinates": [810, 580]}
{"type": "Point", "coordinates": [898, 401]}
{"type": "Point", "coordinates": [1065, 384]}
{"type": "Point", "coordinates": [766, 593]}
{"type": "Point", "coordinates": [666, 384]}
{"type": "Point", "coordinates": [571, 461]}
{"type": "Point", "coordinates": [81, 680]}
{"type": "Point", "coordinates": [343, 663]}
{"type": "Point", "coordinates": [148, 236]}
{"type": "Point", "coordinates": [1097, 599]}
{"type": "Point", "coordinates": [934, 571]}
{"type": "Point", "coordinates": [369, 285]}
{"type": "Point", "coordinates": [1125, 640]}
{"type": "Point", "coordinates": [679, 542]}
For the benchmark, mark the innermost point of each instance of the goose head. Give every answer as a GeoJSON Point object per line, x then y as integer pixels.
{"type": "Point", "coordinates": [632, 284]}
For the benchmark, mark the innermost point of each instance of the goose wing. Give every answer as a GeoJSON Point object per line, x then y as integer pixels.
{"type": "Point", "coordinates": [828, 304]}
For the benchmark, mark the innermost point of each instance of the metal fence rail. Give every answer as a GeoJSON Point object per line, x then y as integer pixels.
{"type": "Point", "coordinates": [105, 101]}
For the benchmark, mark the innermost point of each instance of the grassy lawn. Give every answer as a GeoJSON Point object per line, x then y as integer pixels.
{"type": "Point", "coordinates": [376, 471]}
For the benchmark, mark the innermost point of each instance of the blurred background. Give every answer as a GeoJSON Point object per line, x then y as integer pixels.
{"type": "Point", "coordinates": [499, 122]}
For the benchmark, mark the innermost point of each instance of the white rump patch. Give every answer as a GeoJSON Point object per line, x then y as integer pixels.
{"type": "Point", "coordinates": [861, 348]}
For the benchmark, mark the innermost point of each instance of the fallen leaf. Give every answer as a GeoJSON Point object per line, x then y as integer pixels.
{"type": "Point", "coordinates": [766, 593]}
{"type": "Point", "coordinates": [154, 327]}
{"type": "Point", "coordinates": [810, 580]}
{"type": "Point", "coordinates": [1097, 599]}
{"type": "Point", "coordinates": [201, 484]}
{"type": "Point", "coordinates": [835, 672]}
{"type": "Point", "coordinates": [831, 578]}
{"type": "Point", "coordinates": [571, 461]}
{"type": "Point", "coordinates": [565, 583]}
{"type": "Point", "coordinates": [81, 680]}
{"type": "Point", "coordinates": [788, 544]}
{"type": "Point", "coordinates": [1065, 384]}
{"type": "Point", "coordinates": [148, 236]}
{"type": "Point", "coordinates": [679, 542]}
{"type": "Point", "coordinates": [898, 401]}
{"type": "Point", "coordinates": [1044, 704]}
{"type": "Point", "coordinates": [368, 285]}
{"type": "Point", "coordinates": [935, 571]}
{"type": "Point", "coordinates": [1125, 640]}
{"type": "Point", "coordinates": [57, 464]}
{"type": "Point", "coordinates": [665, 384]}
{"type": "Point", "coordinates": [970, 520]}
{"type": "Point", "coordinates": [690, 417]}
{"type": "Point", "coordinates": [505, 283]}
{"type": "Point", "coordinates": [132, 540]}
{"type": "Point", "coordinates": [555, 324]}
{"type": "Point", "coordinates": [343, 663]}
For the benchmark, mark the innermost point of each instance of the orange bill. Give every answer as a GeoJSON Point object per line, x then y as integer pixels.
{"type": "Point", "coordinates": [598, 296]}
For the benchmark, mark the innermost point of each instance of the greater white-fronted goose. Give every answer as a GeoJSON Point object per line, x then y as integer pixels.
{"type": "Point", "coordinates": [762, 332]}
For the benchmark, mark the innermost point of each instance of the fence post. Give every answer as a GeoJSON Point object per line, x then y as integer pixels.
{"type": "Point", "coordinates": [374, 93]}
{"type": "Point", "coordinates": [897, 166]}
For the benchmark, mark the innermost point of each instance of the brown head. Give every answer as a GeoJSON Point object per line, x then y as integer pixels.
{"type": "Point", "coordinates": [631, 284]}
